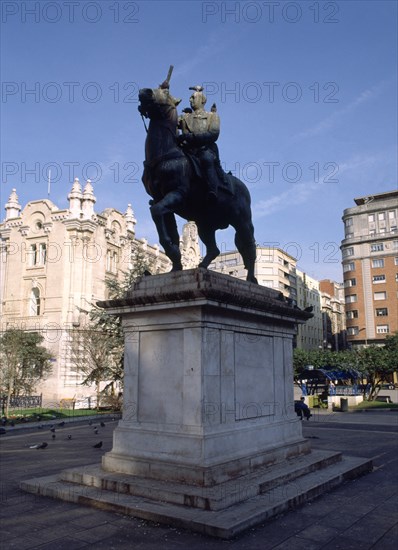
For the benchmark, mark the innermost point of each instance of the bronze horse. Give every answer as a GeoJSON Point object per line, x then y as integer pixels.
{"type": "Point", "coordinates": [170, 179]}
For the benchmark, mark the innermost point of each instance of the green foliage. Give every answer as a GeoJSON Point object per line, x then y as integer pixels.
{"type": "Point", "coordinates": [317, 358]}
{"type": "Point", "coordinates": [375, 364]}
{"type": "Point", "coordinates": [24, 362]}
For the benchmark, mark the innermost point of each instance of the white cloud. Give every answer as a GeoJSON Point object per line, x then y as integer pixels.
{"type": "Point", "coordinates": [364, 169]}
{"type": "Point", "coordinates": [291, 197]}
{"type": "Point", "coordinates": [330, 121]}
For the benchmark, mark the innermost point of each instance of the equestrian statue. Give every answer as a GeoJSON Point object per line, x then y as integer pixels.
{"type": "Point", "coordinates": [183, 175]}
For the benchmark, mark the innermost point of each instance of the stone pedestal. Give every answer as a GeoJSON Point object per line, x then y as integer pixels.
{"type": "Point", "coordinates": [208, 390]}
{"type": "Point", "coordinates": [209, 440]}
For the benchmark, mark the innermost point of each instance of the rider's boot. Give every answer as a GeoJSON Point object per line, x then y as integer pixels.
{"type": "Point", "coordinates": [212, 185]}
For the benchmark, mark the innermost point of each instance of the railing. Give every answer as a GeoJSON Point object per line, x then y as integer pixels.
{"type": "Point", "coordinates": [22, 402]}
{"type": "Point", "coordinates": [345, 390]}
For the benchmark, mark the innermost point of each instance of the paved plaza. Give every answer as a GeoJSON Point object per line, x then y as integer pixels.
{"type": "Point", "coordinates": [360, 514]}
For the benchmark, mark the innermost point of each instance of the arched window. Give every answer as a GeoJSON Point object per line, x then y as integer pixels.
{"type": "Point", "coordinates": [34, 304]}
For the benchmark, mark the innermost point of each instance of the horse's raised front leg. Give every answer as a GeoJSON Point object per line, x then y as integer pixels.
{"type": "Point", "coordinates": [163, 216]}
{"type": "Point", "coordinates": [208, 237]}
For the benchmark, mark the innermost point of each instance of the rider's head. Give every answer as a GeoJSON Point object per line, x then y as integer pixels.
{"type": "Point", "coordinates": [198, 98]}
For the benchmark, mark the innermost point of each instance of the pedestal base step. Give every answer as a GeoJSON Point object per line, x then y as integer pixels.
{"type": "Point", "coordinates": [228, 513]}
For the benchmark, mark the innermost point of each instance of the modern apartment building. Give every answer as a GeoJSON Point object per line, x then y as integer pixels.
{"type": "Point", "coordinates": [53, 264]}
{"type": "Point", "coordinates": [274, 268]}
{"type": "Point", "coordinates": [370, 266]}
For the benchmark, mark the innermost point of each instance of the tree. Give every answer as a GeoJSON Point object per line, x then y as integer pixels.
{"type": "Point", "coordinates": [24, 363]}
{"type": "Point", "coordinates": [97, 354]}
{"type": "Point", "coordinates": [317, 358]}
{"type": "Point", "coordinates": [97, 350]}
{"type": "Point", "coordinates": [375, 364]}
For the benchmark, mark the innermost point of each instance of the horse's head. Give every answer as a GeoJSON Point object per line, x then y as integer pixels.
{"type": "Point", "coordinates": [157, 102]}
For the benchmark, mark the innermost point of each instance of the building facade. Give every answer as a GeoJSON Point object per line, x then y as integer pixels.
{"type": "Point", "coordinates": [333, 315]}
{"type": "Point", "coordinates": [53, 266]}
{"type": "Point", "coordinates": [310, 334]}
{"type": "Point", "coordinates": [370, 266]}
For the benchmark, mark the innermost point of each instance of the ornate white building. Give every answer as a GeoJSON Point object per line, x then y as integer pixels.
{"type": "Point", "coordinates": [54, 263]}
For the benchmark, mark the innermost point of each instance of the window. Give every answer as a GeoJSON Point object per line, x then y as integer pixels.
{"type": "Point", "coordinates": [391, 215]}
{"type": "Point", "coordinates": [231, 262]}
{"type": "Point", "coordinates": [348, 251]}
{"type": "Point", "coordinates": [371, 218]}
{"type": "Point", "coordinates": [381, 312]}
{"type": "Point", "coordinates": [381, 216]}
{"type": "Point", "coordinates": [352, 314]}
{"type": "Point", "coordinates": [352, 331]}
{"type": "Point", "coordinates": [32, 255]}
{"type": "Point", "coordinates": [350, 282]}
{"type": "Point", "coordinates": [348, 222]}
{"type": "Point", "coordinates": [111, 261]}
{"type": "Point", "coordinates": [378, 263]}
{"type": "Point", "coordinates": [37, 254]}
{"type": "Point", "coordinates": [396, 261]}
{"type": "Point", "coordinates": [268, 282]}
{"type": "Point", "coordinates": [395, 245]}
{"type": "Point", "coordinates": [351, 298]}
{"type": "Point", "coordinates": [382, 329]}
{"type": "Point", "coordinates": [349, 267]}
{"type": "Point", "coordinates": [34, 303]}
{"type": "Point", "coordinates": [378, 247]}
{"type": "Point", "coordinates": [393, 228]}
{"type": "Point", "coordinates": [379, 279]}
{"type": "Point", "coordinates": [42, 253]}
{"type": "Point", "coordinates": [380, 296]}
{"type": "Point", "coordinates": [114, 262]}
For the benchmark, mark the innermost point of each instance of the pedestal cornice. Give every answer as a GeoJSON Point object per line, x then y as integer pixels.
{"type": "Point", "coordinates": [193, 286]}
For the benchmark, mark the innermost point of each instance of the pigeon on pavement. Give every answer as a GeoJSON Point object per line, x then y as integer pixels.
{"type": "Point", "coordinates": [39, 446]}
{"type": "Point", "coordinates": [98, 445]}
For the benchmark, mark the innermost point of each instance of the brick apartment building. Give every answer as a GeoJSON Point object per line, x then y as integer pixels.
{"type": "Point", "coordinates": [370, 266]}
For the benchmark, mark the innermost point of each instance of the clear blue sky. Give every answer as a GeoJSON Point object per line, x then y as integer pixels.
{"type": "Point", "coordinates": [306, 92]}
